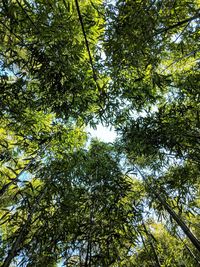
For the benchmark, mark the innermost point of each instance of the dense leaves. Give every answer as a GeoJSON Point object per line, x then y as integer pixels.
{"type": "Point", "coordinates": [69, 200]}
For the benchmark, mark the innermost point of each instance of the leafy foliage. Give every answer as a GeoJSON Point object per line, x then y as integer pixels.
{"type": "Point", "coordinates": [68, 200]}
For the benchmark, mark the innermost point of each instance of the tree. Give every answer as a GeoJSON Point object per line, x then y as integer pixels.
{"type": "Point", "coordinates": [75, 207]}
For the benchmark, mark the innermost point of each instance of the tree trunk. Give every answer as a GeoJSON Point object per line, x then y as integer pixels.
{"type": "Point", "coordinates": [172, 213]}
{"type": "Point", "coordinates": [180, 222]}
{"type": "Point", "coordinates": [189, 250]}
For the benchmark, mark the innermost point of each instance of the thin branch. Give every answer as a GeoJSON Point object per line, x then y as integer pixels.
{"type": "Point", "coordinates": [151, 244]}
{"type": "Point", "coordinates": [178, 24]}
{"type": "Point", "coordinates": [29, 18]}
{"type": "Point", "coordinates": [145, 247]}
{"type": "Point", "coordinates": [101, 91]}
{"type": "Point", "coordinates": [16, 179]}
{"type": "Point", "coordinates": [179, 59]}
{"type": "Point", "coordinates": [86, 40]}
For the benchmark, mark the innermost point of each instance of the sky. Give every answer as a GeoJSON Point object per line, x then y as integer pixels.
{"type": "Point", "coordinates": [105, 134]}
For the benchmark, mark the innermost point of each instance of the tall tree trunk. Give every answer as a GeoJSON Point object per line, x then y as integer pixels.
{"type": "Point", "coordinates": [172, 213]}
{"type": "Point", "coordinates": [189, 250]}
{"type": "Point", "coordinates": [179, 221]}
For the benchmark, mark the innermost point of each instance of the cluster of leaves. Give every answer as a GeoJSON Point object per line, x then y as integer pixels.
{"type": "Point", "coordinates": [43, 47]}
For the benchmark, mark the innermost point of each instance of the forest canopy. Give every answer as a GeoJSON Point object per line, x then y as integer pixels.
{"type": "Point", "coordinates": [67, 199]}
